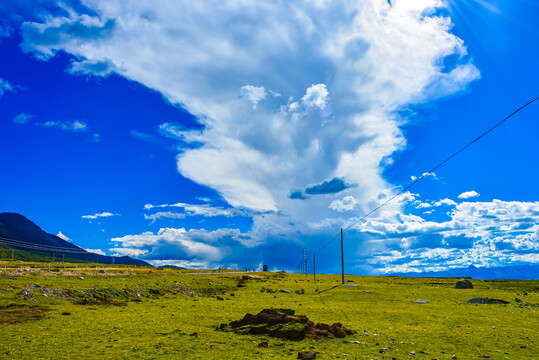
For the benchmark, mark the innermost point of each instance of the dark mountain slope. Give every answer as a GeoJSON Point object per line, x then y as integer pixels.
{"type": "Point", "coordinates": [16, 231]}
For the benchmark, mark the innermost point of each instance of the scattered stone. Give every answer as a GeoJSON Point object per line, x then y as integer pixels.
{"type": "Point", "coordinates": [263, 344]}
{"type": "Point", "coordinates": [306, 355]}
{"type": "Point", "coordinates": [285, 291]}
{"type": "Point", "coordinates": [282, 323]}
{"type": "Point", "coordinates": [353, 285]}
{"type": "Point", "coordinates": [518, 300]}
{"type": "Point", "coordinates": [350, 281]}
{"type": "Point", "coordinates": [355, 342]}
{"type": "Point", "coordinates": [464, 284]}
{"type": "Point", "coordinates": [454, 357]}
{"type": "Point", "coordinates": [368, 292]}
{"type": "Point", "coordinates": [82, 278]}
{"type": "Point", "coordinates": [219, 298]}
{"type": "Point", "coordinates": [421, 301]}
{"type": "Point", "coordinates": [412, 352]}
{"type": "Point", "coordinates": [485, 356]}
{"type": "Point", "coordinates": [66, 313]}
{"type": "Point", "coordinates": [487, 301]}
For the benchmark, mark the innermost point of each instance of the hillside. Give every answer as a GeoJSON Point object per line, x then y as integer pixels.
{"type": "Point", "coordinates": [34, 244]}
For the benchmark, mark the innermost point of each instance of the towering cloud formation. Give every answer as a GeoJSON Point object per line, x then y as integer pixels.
{"type": "Point", "coordinates": [290, 94]}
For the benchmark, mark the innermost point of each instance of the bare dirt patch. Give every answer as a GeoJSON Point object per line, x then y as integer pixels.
{"type": "Point", "coordinates": [21, 313]}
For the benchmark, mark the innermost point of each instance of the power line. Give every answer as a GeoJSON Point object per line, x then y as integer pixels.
{"type": "Point", "coordinates": [442, 163]}
{"type": "Point", "coordinates": [48, 248]}
{"type": "Point", "coordinates": [430, 171]}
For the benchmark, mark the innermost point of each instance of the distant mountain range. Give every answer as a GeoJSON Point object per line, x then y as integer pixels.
{"type": "Point", "coordinates": [522, 272]}
{"type": "Point", "coordinates": [17, 232]}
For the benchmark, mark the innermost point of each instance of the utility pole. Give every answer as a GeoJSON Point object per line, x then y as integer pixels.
{"type": "Point", "coordinates": [342, 257]}
{"type": "Point", "coordinates": [304, 263]}
{"type": "Point", "coordinates": [314, 266]}
{"type": "Point", "coordinates": [12, 254]}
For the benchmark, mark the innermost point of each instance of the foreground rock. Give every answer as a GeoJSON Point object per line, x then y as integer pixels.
{"type": "Point", "coordinates": [464, 284]}
{"type": "Point", "coordinates": [283, 324]}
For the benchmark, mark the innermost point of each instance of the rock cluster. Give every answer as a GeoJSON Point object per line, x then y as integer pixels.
{"type": "Point", "coordinates": [282, 323]}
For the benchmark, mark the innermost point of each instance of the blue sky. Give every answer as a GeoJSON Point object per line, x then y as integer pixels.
{"type": "Point", "coordinates": [234, 135]}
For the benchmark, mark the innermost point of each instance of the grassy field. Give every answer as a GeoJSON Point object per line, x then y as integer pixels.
{"type": "Point", "coordinates": [119, 312]}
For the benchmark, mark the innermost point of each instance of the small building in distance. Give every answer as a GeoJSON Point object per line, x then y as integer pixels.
{"type": "Point", "coordinates": [265, 268]}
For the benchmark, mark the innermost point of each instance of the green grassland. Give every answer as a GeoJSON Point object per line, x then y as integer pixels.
{"type": "Point", "coordinates": [119, 312]}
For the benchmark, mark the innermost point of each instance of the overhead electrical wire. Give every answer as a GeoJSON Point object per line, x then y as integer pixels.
{"type": "Point", "coordinates": [47, 248]}
{"type": "Point", "coordinates": [430, 171]}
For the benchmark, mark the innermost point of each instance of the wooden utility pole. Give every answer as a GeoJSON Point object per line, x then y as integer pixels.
{"type": "Point", "coordinates": [314, 266]}
{"type": "Point", "coordinates": [342, 257]}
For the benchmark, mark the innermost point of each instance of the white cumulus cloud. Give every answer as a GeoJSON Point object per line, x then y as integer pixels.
{"type": "Point", "coordinates": [342, 70]}
{"type": "Point", "coordinates": [254, 93]}
{"type": "Point", "coordinates": [347, 203]}
{"type": "Point", "coordinates": [316, 96]}
{"type": "Point", "coordinates": [468, 195]}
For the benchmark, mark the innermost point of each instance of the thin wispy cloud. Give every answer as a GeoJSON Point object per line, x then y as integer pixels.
{"type": "Point", "coordinates": [164, 214]}
{"type": "Point", "coordinates": [201, 210]}
{"type": "Point", "coordinates": [5, 32]}
{"type": "Point", "coordinates": [62, 236]}
{"type": "Point", "coordinates": [139, 135]}
{"type": "Point", "coordinates": [6, 86]}
{"type": "Point", "coordinates": [96, 251]}
{"type": "Point", "coordinates": [74, 126]}
{"type": "Point", "coordinates": [22, 118]}
{"type": "Point", "coordinates": [99, 215]}
{"type": "Point", "coordinates": [92, 67]}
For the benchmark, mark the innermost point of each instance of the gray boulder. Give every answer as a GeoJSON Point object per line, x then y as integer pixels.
{"type": "Point", "coordinates": [464, 284]}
